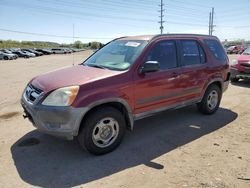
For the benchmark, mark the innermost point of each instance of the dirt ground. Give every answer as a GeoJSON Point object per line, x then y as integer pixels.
{"type": "Point", "coordinates": [177, 148]}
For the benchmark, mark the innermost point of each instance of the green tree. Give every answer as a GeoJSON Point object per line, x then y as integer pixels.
{"type": "Point", "coordinates": [78, 44]}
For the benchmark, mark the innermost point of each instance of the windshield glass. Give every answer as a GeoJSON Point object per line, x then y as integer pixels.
{"type": "Point", "coordinates": [247, 51]}
{"type": "Point", "coordinates": [117, 55]}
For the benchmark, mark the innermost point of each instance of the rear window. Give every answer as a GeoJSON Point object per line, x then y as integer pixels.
{"type": "Point", "coordinates": [216, 49]}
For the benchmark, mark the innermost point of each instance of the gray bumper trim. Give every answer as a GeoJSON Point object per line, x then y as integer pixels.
{"type": "Point", "coordinates": [57, 121]}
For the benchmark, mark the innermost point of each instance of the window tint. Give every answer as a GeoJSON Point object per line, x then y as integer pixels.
{"type": "Point", "coordinates": [191, 53]}
{"type": "Point", "coordinates": [216, 49]}
{"type": "Point", "coordinates": [165, 53]}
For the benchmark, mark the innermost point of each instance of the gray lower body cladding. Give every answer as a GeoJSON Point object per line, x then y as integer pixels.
{"type": "Point", "coordinates": [57, 121]}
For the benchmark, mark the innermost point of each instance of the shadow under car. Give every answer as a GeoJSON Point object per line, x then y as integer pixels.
{"type": "Point", "coordinates": [59, 163]}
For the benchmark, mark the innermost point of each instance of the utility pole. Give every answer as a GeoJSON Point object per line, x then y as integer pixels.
{"type": "Point", "coordinates": [212, 21]}
{"type": "Point", "coordinates": [73, 43]}
{"type": "Point", "coordinates": [209, 24]}
{"type": "Point", "coordinates": [161, 17]}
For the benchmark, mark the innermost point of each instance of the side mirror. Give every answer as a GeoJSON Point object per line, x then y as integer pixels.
{"type": "Point", "coordinates": [150, 66]}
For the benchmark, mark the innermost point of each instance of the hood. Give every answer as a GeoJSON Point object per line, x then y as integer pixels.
{"type": "Point", "coordinates": [243, 58]}
{"type": "Point", "coordinates": [75, 75]}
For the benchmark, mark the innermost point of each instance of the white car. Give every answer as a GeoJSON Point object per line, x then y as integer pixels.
{"type": "Point", "coordinates": [59, 51]}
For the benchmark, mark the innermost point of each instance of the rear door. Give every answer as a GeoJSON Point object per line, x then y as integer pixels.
{"type": "Point", "coordinates": [194, 68]}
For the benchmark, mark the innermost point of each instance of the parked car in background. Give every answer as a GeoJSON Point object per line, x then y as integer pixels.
{"type": "Point", "coordinates": [7, 56]}
{"type": "Point", "coordinates": [75, 49]}
{"type": "Point", "coordinates": [33, 51]}
{"type": "Point", "coordinates": [59, 51]}
{"type": "Point", "coordinates": [44, 51]}
{"type": "Point", "coordinates": [240, 67]}
{"type": "Point", "coordinates": [29, 53]}
{"type": "Point", "coordinates": [9, 52]}
{"type": "Point", "coordinates": [21, 54]}
{"type": "Point", "coordinates": [6, 51]}
{"type": "Point", "coordinates": [238, 49]}
{"type": "Point", "coordinates": [128, 79]}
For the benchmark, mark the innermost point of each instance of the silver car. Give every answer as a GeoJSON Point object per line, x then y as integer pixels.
{"type": "Point", "coordinates": [7, 56]}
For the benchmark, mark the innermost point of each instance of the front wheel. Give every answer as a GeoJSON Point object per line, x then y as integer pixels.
{"type": "Point", "coordinates": [102, 131]}
{"type": "Point", "coordinates": [211, 100]}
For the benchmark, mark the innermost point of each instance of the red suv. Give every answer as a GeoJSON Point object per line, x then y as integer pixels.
{"type": "Point", "coordinates": [240, 67]}
{"type": "Point", "coordinates": [238, 49]}
{"type": "Point", "coordinates": [128, 79]}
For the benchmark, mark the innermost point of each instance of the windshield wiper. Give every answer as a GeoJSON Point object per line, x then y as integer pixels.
{"type": "Point", "coordinates": [95, 65]}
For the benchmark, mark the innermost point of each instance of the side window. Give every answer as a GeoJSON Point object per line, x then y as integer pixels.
{"type": "Point", "coordinates": [165, 53]}
{"type": "Point", "coordinates": [216, 49]}
{"type": "Point", "coordinates": [191, 53]}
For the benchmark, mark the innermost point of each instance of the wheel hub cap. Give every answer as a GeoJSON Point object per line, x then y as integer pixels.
{"type": "Point", "coordinates": [212, 99]}
{"type": "Point", "coordinates": [105, 132]}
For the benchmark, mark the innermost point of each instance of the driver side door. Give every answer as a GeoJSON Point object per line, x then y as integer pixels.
{"type": "Point", "coordinates": [155, 90]}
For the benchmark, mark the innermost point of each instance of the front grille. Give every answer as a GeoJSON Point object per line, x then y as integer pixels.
{"type": "Point", "coordinates": [32, 93]}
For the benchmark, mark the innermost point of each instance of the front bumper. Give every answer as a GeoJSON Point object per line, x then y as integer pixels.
{"type": "Point", "coordinates": [238, 74]}
{"type": "Point", "coordinates": [56, 121]}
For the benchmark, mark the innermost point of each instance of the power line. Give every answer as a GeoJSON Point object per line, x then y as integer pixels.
{"type": "Point", "coordinates": [87, 14]}
{"type": "Point", "coordinates": [51, 35]}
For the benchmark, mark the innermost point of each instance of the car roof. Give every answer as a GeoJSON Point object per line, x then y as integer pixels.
{"type": "Point", "coordinates": [152, 37]}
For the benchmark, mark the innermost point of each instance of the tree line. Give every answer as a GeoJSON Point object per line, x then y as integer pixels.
{"type": "Point", "coordinates": [41, 44]}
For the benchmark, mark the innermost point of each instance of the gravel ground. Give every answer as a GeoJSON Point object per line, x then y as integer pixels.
{"type": "Point", "coordinates": [177, 148]}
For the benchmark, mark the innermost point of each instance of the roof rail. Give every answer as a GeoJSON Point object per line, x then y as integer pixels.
{"type": "Point", "coordinates": [182, 34]}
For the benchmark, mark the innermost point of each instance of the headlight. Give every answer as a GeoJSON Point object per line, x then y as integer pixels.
{"type": "Point", "coordinates": [234, 62]}
{"type": "Point", "coordinates": [62, 96]}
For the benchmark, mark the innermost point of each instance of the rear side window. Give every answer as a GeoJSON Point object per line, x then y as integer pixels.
{"type": "Point", "coordinates": [191, 53]}
{"type": "Point", "coordinates": [216, 49]}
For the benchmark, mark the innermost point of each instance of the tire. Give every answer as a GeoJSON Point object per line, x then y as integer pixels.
{"type": "Point", "coordinates": [95, 125]}
{"type": "Point", "coordinates": [5, 58]}
{"type": "Point", "coordinates": [211, 100]}
{"type": "Point", "coordinates": [233, 79]}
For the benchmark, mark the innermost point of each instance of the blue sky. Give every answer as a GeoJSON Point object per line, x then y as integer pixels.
{"type": "Point", "coordinates": [103, 20]}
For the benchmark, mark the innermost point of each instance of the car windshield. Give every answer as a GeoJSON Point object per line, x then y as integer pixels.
{"type": "Point", "coordinates": [117, 55]}
{"type": "Point", "coordinates": [247, 51]}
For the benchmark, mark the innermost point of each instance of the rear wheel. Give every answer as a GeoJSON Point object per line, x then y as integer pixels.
{"type": "Point", "coordinates": [5, 58]}
{"type": "Point", "coordinates": [211, 100]}
{"type": "Point", "coordinates": [102, 131]}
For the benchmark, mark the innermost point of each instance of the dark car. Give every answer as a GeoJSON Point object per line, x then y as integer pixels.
{"type": "Point", "coordinates": [44, 51]}
{"type": "Point", "coordinates": [21, 54]}
{"type": "Point", "coordinates": [128, 79]}
{"type": "Point", "coordinates": [240, 67]}
{"type": "Point", "coordinates": [33, 51]}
